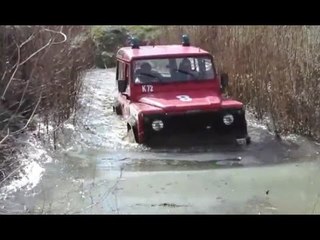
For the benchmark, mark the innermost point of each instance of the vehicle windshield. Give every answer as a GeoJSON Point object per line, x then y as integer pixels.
{"type": "Point", "coordinates": [173, 70]}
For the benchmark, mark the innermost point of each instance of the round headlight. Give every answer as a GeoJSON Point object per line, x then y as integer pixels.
{"type": "Point", "coordinates": [228, 119]}
{"type": "Point", "coordinates": [157, 125]}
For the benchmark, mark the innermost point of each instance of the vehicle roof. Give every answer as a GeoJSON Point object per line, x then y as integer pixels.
{"type": "Point", "coordinates": [129, 53]}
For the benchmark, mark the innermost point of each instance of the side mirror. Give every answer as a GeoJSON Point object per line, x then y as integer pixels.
{"type": "Point", "coordinates": [122, 85]}
{"type": "Point", "coordinates": [224, 80]}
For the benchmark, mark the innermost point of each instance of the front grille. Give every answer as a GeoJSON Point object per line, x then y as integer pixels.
{"type": "Point", "coordinates": [194, 121]}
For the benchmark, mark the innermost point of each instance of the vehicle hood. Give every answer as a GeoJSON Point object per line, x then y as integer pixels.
{"type": "Point", "coordinates": [181, 101]}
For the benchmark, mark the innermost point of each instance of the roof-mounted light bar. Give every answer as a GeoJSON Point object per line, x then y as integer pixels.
{"type": "Point", "coordinates": [185, 40]}
{"type": "Point", "coordinates": [135, 43]}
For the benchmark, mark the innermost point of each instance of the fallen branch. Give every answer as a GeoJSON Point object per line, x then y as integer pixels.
{"type": "Point", "coordinates": [107, 193]}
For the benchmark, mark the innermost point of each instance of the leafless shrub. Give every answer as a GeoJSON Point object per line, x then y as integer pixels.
{"type": "Point", "coordinates": [40, 73]}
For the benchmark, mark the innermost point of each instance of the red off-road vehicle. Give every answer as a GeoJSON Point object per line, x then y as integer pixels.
{"type": "Point", "coordinates": [167, 89]}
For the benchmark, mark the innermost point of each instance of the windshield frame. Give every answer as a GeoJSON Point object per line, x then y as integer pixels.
{"type": "Point", "coordinates": [209, 56]}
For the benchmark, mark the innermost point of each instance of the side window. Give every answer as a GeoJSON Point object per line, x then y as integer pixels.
{"type": "Point", "coordinates": [117, 72]}
{"type": "Point", "coordinates": [126, 76]}
{"type": "Point", "coordinates": [121, 71]}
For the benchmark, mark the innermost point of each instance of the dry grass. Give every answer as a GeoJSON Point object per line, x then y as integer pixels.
{"type": "Point", "coordinates": [273, 69]}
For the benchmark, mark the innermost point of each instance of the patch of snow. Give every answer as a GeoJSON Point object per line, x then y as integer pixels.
{"type": "Point", "coordinates": [31, 171]}
{"type": "Point", "coordinates": [28, 178]}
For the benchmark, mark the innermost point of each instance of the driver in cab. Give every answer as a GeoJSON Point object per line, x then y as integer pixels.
{"type": "Point", "coordinates": [146, 75]}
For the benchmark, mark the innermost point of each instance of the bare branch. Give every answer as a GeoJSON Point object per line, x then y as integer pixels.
{"type": "Point", "coordinates": [64, 35]}
{"type": "Point", "coordinates": [3, 139]}
{"type": "Point", "coordinates": [3, 75]}
{"type": "Point", "coordinates": [22, 44]}
{"type": "Point", "coordinates": [31, 117]}
{"type": "Point", "coordinates": [27, 85]}
{"type": "Point", "coordinates": [28, 40]}
{"type": "Point", "coordinates": [36, 52]}
{"type": "Point", "coordinates": [11, 174]}
{"type": "Point", "coordinates": [13, 74]}
{"type": "Point", "coordinates": [4, 176]}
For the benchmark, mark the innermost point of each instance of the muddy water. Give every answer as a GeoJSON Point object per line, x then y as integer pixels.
{"type": "Point", "coordinates": [96, 170]}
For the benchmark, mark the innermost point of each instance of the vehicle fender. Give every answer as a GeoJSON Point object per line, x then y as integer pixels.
{"type": "Point", "coordinates": [132, 121]}
{"type": "Point", "coordinates": [133, 117]}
